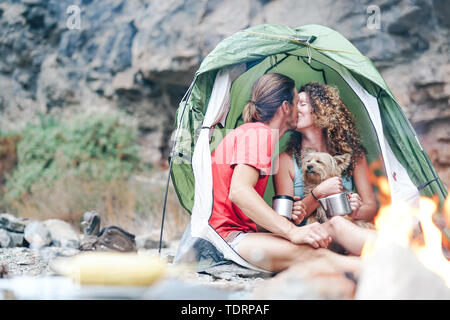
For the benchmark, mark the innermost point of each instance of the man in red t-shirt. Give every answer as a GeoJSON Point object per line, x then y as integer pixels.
{"type": "Point", "coordinates": [251, 144]}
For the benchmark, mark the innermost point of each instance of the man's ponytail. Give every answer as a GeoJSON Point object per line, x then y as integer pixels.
{"type": "Point", "coordinates": [250, 112]}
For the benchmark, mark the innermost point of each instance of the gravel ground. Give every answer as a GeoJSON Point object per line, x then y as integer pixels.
{"type": "Point", "coordinates": [23, 262]}
{"type": "Point", "coordinates": [28, 262]}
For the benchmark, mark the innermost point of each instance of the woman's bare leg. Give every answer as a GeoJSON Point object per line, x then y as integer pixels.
{"type": "Point", "coordinates": [348, 235]}
{"type": "Point", "coordinates": [273, 253]}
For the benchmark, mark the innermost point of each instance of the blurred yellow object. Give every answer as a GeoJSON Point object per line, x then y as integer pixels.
{"type": "Point", "coordinates": [107, 268]}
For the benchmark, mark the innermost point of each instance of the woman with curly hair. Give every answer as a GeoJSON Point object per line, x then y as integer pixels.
{"type": "Point", "coordinates": [326, 125]}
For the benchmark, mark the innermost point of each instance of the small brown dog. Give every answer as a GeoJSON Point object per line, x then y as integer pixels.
{"type": "Point", "coordinates": [319, 166]}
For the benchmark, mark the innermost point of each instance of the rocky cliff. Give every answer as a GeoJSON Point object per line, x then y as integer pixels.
{"type": "Point", "coordinates": [65, 56]}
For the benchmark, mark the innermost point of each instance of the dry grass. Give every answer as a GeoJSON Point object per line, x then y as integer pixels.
{"type": "Point", "coordinates": [8, 154]}
{"type": "Point", "coordinates": [135, 204]}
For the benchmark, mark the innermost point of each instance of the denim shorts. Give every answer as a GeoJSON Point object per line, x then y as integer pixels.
{"type": "Point", "coordinates": [236, 238]}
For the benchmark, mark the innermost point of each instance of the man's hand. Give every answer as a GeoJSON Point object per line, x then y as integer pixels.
{"type": "Point", "coordinates": [313, 234]}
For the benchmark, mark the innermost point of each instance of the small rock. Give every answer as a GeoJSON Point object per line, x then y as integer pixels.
{"type": "Point", "coordinates": [62, 233]}
{"type": "Point", "coordinates": [37, 235]}
{"type": "Point", "coordinates": [48, 254]}
{"type": "Point", "coordinates": [231, 270]}
{"type": "Point", "coordinates": [16, 239]}
{"type": "Point", "coordinates": [26, 260]}
{"type": "Point", "coordinates": [11, 223]}
{"type": "Point", "coordinates": [5, 239]}
{"type": "Point", "coordinates": [10, 239]}
{"type": "Point", "coordinates": [148, 241]}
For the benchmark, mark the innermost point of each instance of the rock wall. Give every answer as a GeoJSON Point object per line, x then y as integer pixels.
{"type": "Point", "coordinates": [140, 56]}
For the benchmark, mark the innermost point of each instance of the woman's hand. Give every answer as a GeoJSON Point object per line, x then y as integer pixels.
{"type": "Point", "coordinates": [355, 204]}
{"type": "Point", "coordinates": [328, 187]}
{"type": "Point", "coordinates": [298, 211]}
{"type": "Point", "coordinates": [313, 234]}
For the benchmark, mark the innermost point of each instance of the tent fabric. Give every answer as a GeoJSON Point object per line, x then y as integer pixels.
{"type": "Point", "coordinates": [309, 53]}
{"type": "Point", "coordinates": [218, 106]}
{"type": "Point", "coordinates": [264, 40]}
{"type": "Point", "coordinates": [402, 188]}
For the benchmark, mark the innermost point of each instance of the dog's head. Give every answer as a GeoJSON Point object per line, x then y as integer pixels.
{"type": "Point", "coordinates": [319, 166]}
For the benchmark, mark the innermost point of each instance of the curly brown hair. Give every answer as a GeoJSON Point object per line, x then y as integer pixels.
{"type": "Point", "coordinates": [336, 121]}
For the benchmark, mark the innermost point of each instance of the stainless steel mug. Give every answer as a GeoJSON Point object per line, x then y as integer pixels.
{"type": "Point", "coordinates": [283, 205]}
{"type": "Point", "coordinates": [336, 204]}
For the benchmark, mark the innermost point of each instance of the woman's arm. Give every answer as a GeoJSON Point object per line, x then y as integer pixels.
{"type": "Point", "coordinates": [283, 181]}
{"type": "Point", "coordinates": [368, 208]}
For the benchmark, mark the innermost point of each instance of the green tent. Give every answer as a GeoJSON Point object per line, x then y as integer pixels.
{"type": "Point", "coordinates": [221, 87]}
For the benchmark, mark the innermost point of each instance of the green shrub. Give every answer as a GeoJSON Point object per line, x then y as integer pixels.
{"type": "Point", "coordinates": [92, 146]}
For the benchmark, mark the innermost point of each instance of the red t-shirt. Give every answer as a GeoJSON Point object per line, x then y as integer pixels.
{"type": "Point", "coordinates": [251, 144]}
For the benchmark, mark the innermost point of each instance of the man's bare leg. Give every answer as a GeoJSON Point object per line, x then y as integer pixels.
{"type": "Point", "coordinates": [274, 253]}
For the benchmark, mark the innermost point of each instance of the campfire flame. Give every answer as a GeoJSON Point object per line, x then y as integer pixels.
{"type": "Point", "coordinates": [430, 253]}
{"type": "Point", "coordinates": [446, 209]}
{"type": "Point", "coordinates": [383, 184]}
{"type": "Point", "coordinates": [414, 228]}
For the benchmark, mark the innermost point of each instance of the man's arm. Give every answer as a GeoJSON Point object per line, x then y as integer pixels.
{"type": "Point", "coordinates": [243, 194]}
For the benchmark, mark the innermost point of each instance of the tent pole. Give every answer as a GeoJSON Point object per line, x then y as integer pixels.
{"type": "Point", "coordinates": [186, 98]}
